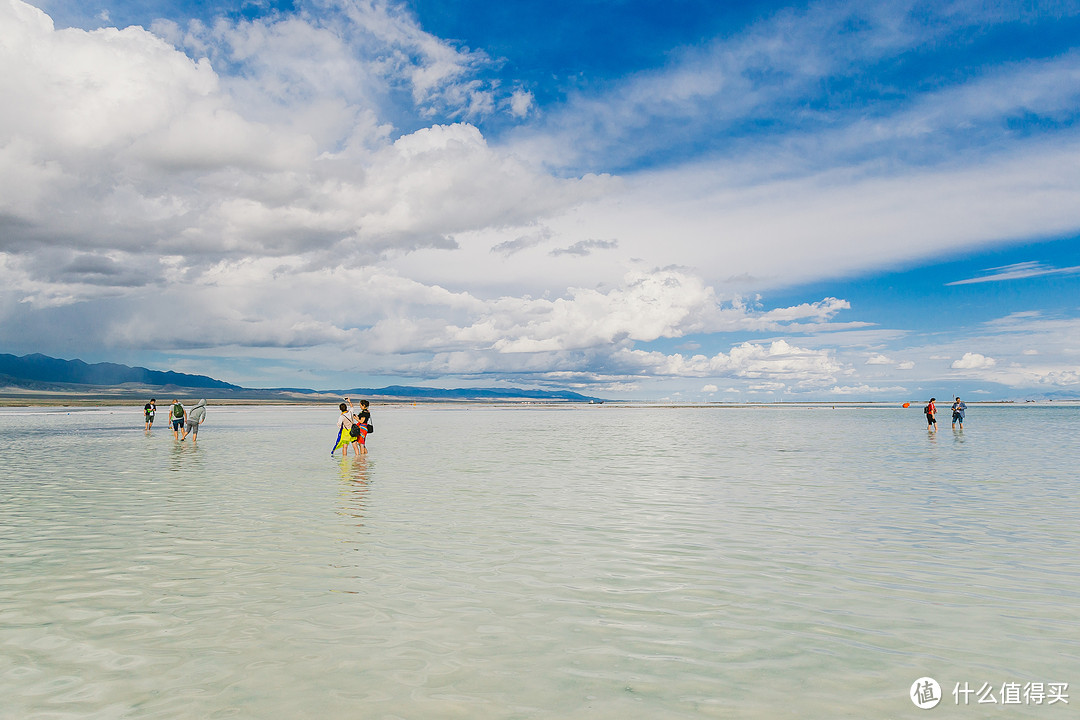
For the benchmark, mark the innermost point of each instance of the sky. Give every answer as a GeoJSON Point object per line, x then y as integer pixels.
{"type": "Point", "coordinates": [687, 200]}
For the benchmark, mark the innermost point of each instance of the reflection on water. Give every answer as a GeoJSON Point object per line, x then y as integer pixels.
{"type": "Point", "coordinates": [355, 483]}
{"type": "Point", "coordinates": [183, 456]}
{"type": "Point", "coordinates": [541, 562]}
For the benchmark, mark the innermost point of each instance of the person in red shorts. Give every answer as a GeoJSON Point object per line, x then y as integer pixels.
{"type": "Point", "coordinates": [359, 441]}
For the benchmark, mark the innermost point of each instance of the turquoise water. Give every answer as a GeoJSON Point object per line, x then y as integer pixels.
{"type": "Point", "coordinates": [536, 562]}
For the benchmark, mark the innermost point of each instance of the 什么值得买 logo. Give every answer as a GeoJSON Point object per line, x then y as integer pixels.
{"type": "Point", "coordinates": [925, 693]}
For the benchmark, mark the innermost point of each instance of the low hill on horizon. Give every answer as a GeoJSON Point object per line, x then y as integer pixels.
{"type": "Point", "coordinates": [38, 368]}
{"type": "Point", "coordinates": [41, 373]}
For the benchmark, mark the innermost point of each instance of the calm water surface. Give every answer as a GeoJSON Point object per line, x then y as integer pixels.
{"type": "Point", "coordinates": [536, 562]}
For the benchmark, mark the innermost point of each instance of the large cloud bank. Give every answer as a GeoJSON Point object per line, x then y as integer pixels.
{"type": "Point", "coordinates": [246, 189]}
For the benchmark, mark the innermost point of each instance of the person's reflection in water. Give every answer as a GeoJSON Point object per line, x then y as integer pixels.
{"type": "Point", "coordinates": [349, 566]}
{"type": "Point", "coordinates": [184, 456]}
{"type": "Point", "coordinates": [355, 483]}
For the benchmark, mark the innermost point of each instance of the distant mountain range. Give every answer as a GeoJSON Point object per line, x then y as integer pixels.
{"type": "Point", "coordinates": [44, 369]}
{"type": "Point", "coordinates": [47, 374]}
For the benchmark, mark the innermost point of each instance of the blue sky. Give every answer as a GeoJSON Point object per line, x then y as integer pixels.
{"type": "Point", "coordinates": [684, 200]}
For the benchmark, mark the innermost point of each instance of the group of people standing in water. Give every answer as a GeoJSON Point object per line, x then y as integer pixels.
{"type": "Point", "coordinates": [353, 428]}
{"type": "Point", "coordinates": [958, 410]}
{"type": "Point", "coordinates": [179, 418]}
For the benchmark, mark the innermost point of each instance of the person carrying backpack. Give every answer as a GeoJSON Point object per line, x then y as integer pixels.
{"type": "Point", "coordinates": [178, 415]}
{"type": "Point", "coordinates": [364, 417]}
{"type": "Point", "coordinates": [931, 412]}
{"type": "Point", "coordinates": [358, 434]}
{"type": "Point", "coordinates": [344, 426]}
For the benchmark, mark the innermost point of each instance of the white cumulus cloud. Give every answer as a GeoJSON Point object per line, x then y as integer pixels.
{"type": "Point", "coordinates": [774, 361]}
{"type": "Point", "coordinates": [973, 361]}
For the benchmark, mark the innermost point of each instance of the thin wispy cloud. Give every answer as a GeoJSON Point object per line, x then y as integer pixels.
{"type": "Point", "coordinates": [771, 75]}
{"type": "Point", "coordinates": [524, 242]}
{"type": "Point", "coordinates": [585, 247]}
{"type": "Point", "coordinates": [1018, 271]}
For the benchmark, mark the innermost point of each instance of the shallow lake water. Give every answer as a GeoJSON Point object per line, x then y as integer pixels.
{"type": "Point", "coordinates": [539, 562]}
